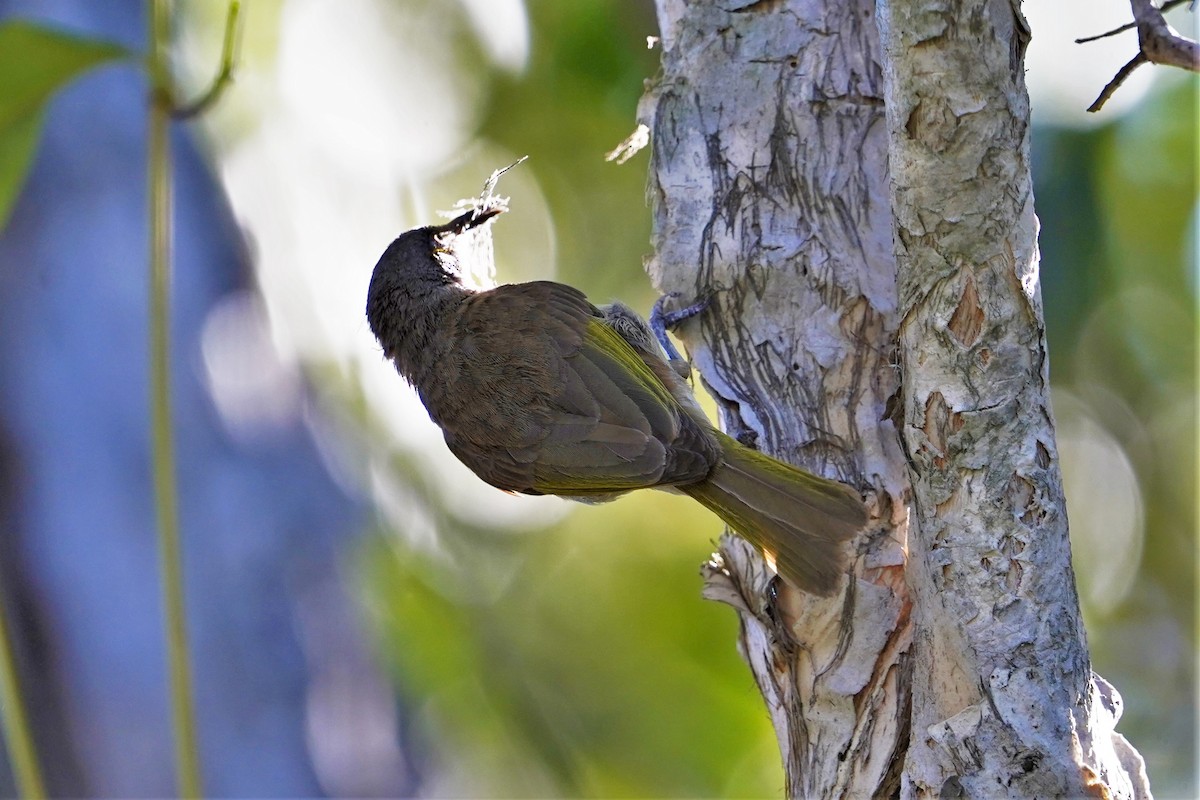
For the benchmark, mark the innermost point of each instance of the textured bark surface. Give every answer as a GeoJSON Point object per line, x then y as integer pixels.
{"type": "Point", "coordinates": [1004, 699]}
{"type": "Point", "coordinates": [769, 190]}
{"type": "Point", "coordinates": [960, 667]}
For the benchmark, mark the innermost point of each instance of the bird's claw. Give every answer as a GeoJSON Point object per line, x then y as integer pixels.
{"type": "Point", "coordinates": [668, 320]}
{"type": "Point", "coordinates": [662, 320]}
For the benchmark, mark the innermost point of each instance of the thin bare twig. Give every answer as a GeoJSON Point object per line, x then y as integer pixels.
{"type": "Point", "coordinates": [1157, 44]}
{"type": "Point", "coordinates": [1128, 26]}
{"type": "Point", "coordinates": [1120, 77]}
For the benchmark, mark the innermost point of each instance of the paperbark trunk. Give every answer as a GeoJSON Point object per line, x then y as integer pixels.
{"type": "Point", "coordinates": [1003, 690]}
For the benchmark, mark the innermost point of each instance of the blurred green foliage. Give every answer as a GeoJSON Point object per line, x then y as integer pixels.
{"type": "Point", "coordinates": [575, 102]}
{"type": "Point", "coordinates": [35, 62]}
{"type": "Point", "coordinates": [595, 670]}
{"type": "Point", "coordinates": [1118, 205]}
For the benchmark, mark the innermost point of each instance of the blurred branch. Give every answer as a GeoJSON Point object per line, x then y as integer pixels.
{"type": "Point", "coordinates": [224, 77]}
{"type": "Point", "coordinates": [1157, 43]}
{"type": "Point", "coordinates": [22, 752]}
{"type": "Point", "coordinates": [1167, 6]}
{"type": "Point", "coordinates": [162, 447]}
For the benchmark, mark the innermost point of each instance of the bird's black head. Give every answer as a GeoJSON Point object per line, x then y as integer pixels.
{"type": "Point", "coordinates": [417, 272]}
{"type": "Point", "coordinates": [428, 253]}
{"type": "Point", "coordinates": [425, 256]}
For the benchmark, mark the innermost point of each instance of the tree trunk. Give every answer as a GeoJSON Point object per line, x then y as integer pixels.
{"type": "Point", "coordinates": [954, 658]}
{"type": "Point", "coordinates": [1002, 683]}
{"type": "Point", "coordinates": [769, 188]}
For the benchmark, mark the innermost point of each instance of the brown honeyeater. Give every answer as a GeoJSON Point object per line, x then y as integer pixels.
{"type": "Point", "coordinates": [539, 391]}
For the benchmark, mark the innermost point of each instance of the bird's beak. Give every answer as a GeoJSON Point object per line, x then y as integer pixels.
{"type": "Point", "coordinates": [471, 219]}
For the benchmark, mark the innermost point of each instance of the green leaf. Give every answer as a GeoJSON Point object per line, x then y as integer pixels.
{"type": "Point", "coordinates": [18, 142]}
{"type": "Point", "coordinates": [35, 62]}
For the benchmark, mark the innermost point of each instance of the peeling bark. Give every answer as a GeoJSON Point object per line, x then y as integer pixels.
{"type": "Point", "coordinates": [961, 666]}
{"type": "Point", "coordinates": [1004, 700]}
{"type": "Point", "coordinates": [769, 190]}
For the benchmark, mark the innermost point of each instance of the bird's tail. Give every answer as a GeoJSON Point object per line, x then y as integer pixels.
{"type": "Point", "coordinates": [801, 520]}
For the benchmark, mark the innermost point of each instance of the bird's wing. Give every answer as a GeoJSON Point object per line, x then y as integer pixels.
{"type": "Point", "coordinates": [542, 397]}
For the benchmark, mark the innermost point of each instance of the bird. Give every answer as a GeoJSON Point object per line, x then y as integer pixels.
{"type": "Point", "coordinates": [538, 391]}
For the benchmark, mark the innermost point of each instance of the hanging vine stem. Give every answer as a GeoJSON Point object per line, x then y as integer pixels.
{"type": "Point", "coordinates": [162, 109]}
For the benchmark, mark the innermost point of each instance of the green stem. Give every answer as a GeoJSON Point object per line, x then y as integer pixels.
{"type": "Point", "coordinates": [165, 492]}
{"type": "Point", "coordinates": [16, 724]}
{"type": "Point", "coordinates": [229, 52]}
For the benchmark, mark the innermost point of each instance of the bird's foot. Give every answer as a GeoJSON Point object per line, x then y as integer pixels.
{"type": "Point", "coordinates": [662, 320]}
